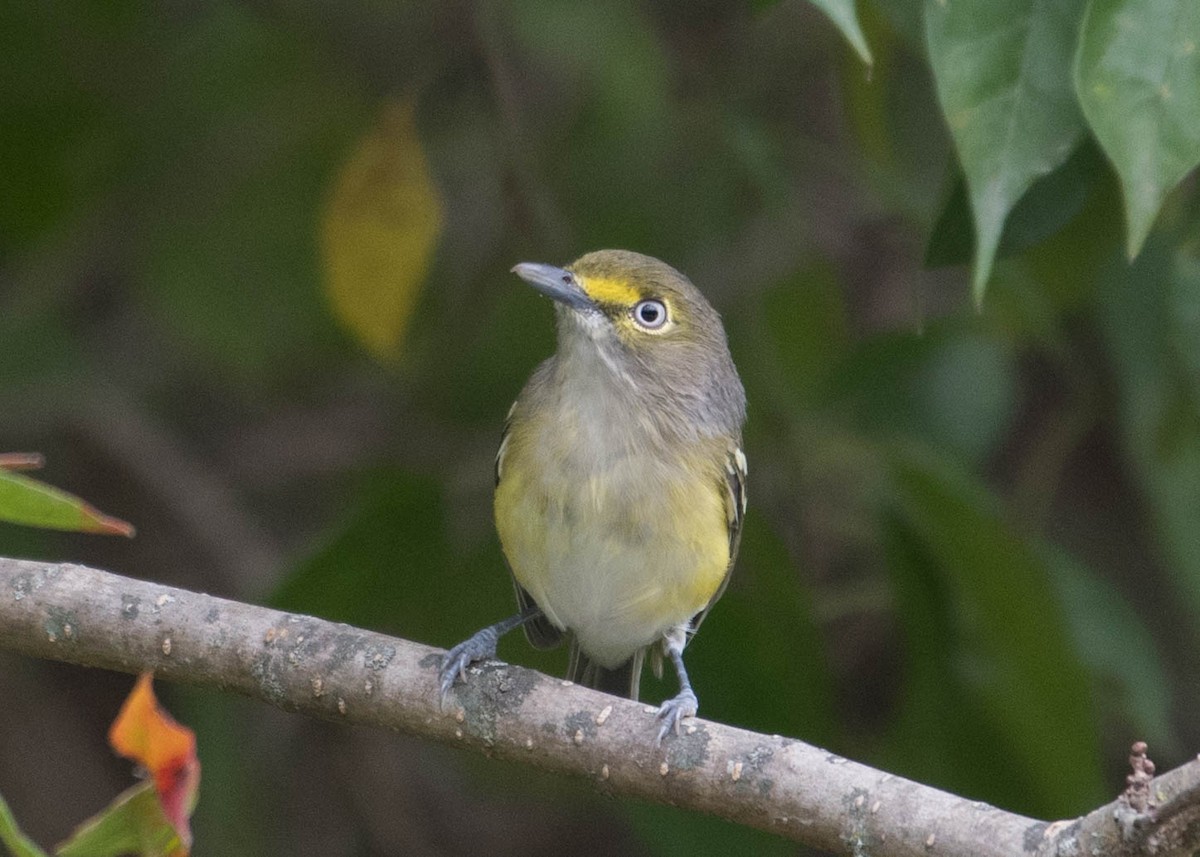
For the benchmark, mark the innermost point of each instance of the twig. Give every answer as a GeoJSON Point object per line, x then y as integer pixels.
{"type": "Point", "coordinates": [299, 663]}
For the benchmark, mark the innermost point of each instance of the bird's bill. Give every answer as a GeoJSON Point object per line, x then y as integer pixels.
{"type": "Point", "coordinates": [556, 283]}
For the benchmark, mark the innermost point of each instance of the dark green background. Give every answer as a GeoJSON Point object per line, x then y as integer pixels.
{"type": "Point", "coordinates": [973, 550]}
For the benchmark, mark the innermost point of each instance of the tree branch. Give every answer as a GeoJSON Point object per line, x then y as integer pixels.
{"type": "Point", "coordinates": [299, 663]}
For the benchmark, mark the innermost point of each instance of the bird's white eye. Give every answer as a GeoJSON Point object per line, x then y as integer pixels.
{"type": "Point", "coordinates": [650, 314]}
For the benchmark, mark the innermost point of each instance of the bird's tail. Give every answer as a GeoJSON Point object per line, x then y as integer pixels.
{"type": "Point", "coordinates": [622, 680]}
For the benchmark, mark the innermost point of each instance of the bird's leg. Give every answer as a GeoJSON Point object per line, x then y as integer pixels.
{"type": "Point", "coordinates": [480, 646]}
{"type": "Point", "coordinates": [683, 704]}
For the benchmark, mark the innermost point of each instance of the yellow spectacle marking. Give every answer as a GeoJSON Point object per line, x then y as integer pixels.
{"type": "Point", "coordinates": [606, 290]}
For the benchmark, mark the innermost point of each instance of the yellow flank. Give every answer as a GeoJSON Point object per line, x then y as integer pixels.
{"type": "Point", "coordinates": [610, 290]}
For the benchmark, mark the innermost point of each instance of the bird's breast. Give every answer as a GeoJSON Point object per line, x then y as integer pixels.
{"type": "Point", "coordinates": [616, 536]}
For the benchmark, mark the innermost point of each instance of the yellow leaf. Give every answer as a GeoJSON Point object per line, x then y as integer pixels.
{"type": "Point", "coordinates": [379, 230]}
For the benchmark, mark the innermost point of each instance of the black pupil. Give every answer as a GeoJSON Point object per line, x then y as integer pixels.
{"type": "Point", "coordinates": [649, 313]}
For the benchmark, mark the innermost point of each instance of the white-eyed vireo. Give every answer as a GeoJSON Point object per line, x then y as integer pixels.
{"type": "Point", "coordinates": [620, 480]}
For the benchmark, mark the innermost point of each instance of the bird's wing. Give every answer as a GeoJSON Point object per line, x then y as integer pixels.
{"type": "Point", "coordinates": [540, 633]}
{"type": "Point", "coordinates": [735, 511]}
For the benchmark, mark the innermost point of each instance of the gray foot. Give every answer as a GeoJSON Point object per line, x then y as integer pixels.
{"type": "Point", "coordinates": [670, 713]}
{"type": "Point", "coordinates": [479, 647]}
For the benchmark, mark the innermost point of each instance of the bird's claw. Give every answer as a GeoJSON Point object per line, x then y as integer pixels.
{"type": "Point", "coordinates": [479, 647]}
{"type": "Point", "coordinates": [670, 713]}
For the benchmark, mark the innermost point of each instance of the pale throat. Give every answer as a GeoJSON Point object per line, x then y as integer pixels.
{"type": "Point", "coordinates": [588, 345]}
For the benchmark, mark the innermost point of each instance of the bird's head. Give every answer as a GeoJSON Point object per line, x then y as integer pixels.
{"type": "Point", "coordinates": [646, 323]}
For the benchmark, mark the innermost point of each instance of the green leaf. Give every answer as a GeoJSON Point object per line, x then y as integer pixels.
{"type": "Point", "coordinates": [35, 504]}
{"type": "Point", "coordinates": [1138, 78]}
{"type": "Point", "coordinates": [1117, 649]}
{"type": "Point", "coordinates": [132, 824]}
{"type": "Point", "coordinates": [996, 681]}
{"type": "Point", "coordinates": [1053, 201]}
{"type": "Point", "coordinates": [907, 19]}
{"type": "Point", "coordinates": [1003, 78]}
{"type": "Point", "coordinates": [845, 18]}
{"type": "Point", "coordinates": [14, 840]}
{"type": "Point", "coordinates": [1148, 321]}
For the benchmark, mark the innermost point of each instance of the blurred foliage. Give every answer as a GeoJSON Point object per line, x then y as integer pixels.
{"type": "Point", "coordinates": [972, 555]}
{"type": "Point", "coordinates": [379, 229]}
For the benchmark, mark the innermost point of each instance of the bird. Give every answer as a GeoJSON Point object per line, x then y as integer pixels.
{"type": "Point", "coordinates": [620, 481]}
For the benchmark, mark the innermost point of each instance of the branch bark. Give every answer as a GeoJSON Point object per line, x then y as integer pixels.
{"type": "Point", "coordinates": [337, 672]}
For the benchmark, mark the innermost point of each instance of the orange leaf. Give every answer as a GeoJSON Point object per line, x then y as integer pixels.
{"type": "Point", "coordinates": [146, 733]}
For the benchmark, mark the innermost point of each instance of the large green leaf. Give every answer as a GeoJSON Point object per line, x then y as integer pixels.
{"type": "Point", "coordinates": [1148, 320]}
{"type": "Point", "coordinates": [843, 15]}
{"type": "Point", "coordinates": [1003, 77]}
{"type": "Point", "coordinates": [1051, 203]}
{"type": "Point", "coordinates": [995, 679]}
{"type": "Point", "coordinates": [845, 18]}
{"type": "Point", "coordinates": [1138, 78]}
{"type": "Point", "coordinates": [1115, 645]}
